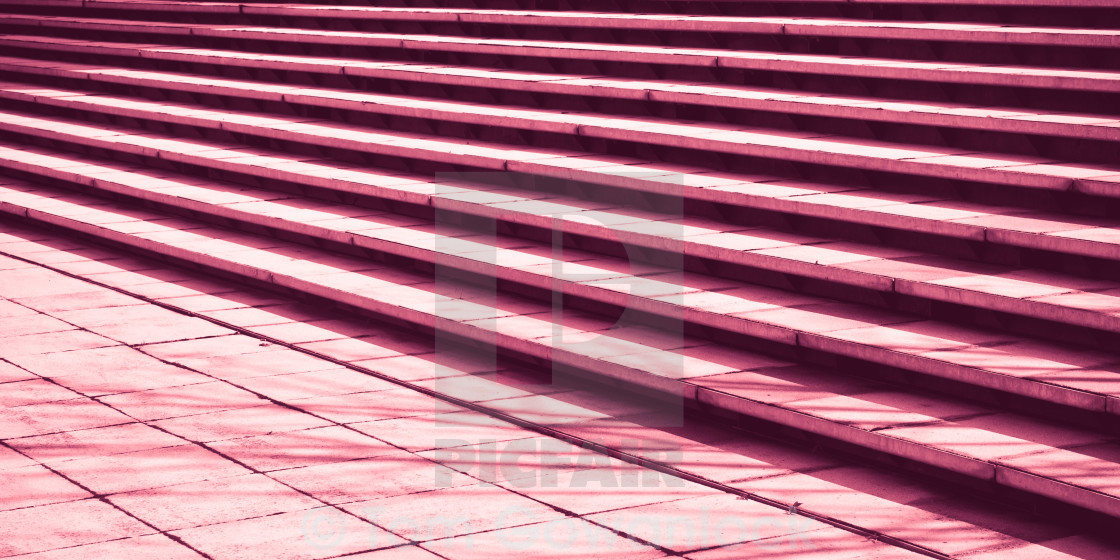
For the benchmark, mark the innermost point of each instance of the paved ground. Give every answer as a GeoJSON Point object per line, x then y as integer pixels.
{"type": "Point", "coordinates": [130, 430]}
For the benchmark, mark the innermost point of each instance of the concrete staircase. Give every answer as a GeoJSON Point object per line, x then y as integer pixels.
{"type": "Point", "coordinates": [889, 227]}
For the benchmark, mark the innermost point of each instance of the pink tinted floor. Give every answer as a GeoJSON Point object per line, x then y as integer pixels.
{"type": "Point", "coordinates": [111, 447]}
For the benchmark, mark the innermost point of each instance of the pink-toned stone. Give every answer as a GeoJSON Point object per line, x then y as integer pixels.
{"type": "Point", "coordinates": [149, 546]}
{"type": "Point", "coordinates": [425, 432]}
{"type": "Point", "coordinates": [33, 391]}
{"type": "Point", "coordinates": [135, 373]}
{"type": "Point", "coordinates": [32, 282]}
{"type": "Point", "coordinates": [35, 485]}
{"type": "Point", "coordinates": [855, 411]}
{"type": "Point", "coordinates": [822, 544]}
{"type": "Point", "coordinates": [98, 298]}
{"type": "Point", "coordinates": [59, 416]}
{"type": "Point", "coordinates": [150, 468]}
{"type": "Point", "coordinates": [10, 309]}
{"type": "Point", "coordinates": [33, 324]}
{"type": "Point", "coordinates": [96, 442]}
{"type": "Point", "coordinates": [103, 362]}
{"type": "Point", "coordinates": [64, 525]}
{"type": "Point", "coordinates": [605, 487]}
{"type": "Point", "coordinates": [546, 409]}
{"type": "Point", "coordinates": [274, 360]}
{"type": "Point", "coordinates": [379, 405]}
{"type": "Point", "coordinates": [301, 535]}
{"type": "Point", "coordinates": [337, 381]}
{"type": "Point", "coordinates": [551, 540]}
{"type": "Point", "coordinates": [705, 522]}
{"type": "Point", "coordinates": [208, 502]}
{"type": "Point", "coordinates": [450, 512]}
{"type": "Point", "coordinates": [384, 476]}
{"type": "Point", "coordinates": [10, 459]}
{"type": "Point", "coordinates": [208, 347]}
{"type": "Point", "coordinates": [187, 400]}
{"type": "Point", "coordinates": [239, 423]}
{"type": "Point", "coordinates": [142, 324]}
{"type": "Point", "coordinates": [399, 553]}
{"type": "Point", "coordinates": [351, 349]}
{"type": "Point", "coordinates": [17, 347]}
{"type": "Point", "coordinates": [302, 448]}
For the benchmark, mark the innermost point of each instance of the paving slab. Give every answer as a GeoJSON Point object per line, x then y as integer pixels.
{"type": "Point", "coordinates": [145, 324]}
{"type": "Point", "coordinates": [321, 383]}
{"type": "Point", "coordinates": [451, 512]}
{"type": "Point", "coordinates": [94, 442]}
{"type": "Point", "coordinates": [151, 468]}
{"type": "Point", "coordinates": [550, 540]}
{"type": "Point", "coordinates": [148, 546]}
{"type": "Point", "coordinates": [450, 429]}
{"type": "Point", "coordinates": [316, 533]}
{"type": "Point", "coordinates": [384, 476]}
{"type": "Point", "coordinates": [65, 525]}
{"type": "Point", "coordinates": [186, 400]}
{"type": "Point", "coordinates": [302, 448]}
{"type": "Point", "coordinates": [240, 423]}
{"type": "Point", "coordinates": [58, 416]}
{"type": "Point", "coordinates": [36, 485]}
{"type": "Point", "coordinates": [16, 347]}
{"type": "Point", "coordinates": [197, 504]}
{"type": "Point", "coordinates": [34, 391]}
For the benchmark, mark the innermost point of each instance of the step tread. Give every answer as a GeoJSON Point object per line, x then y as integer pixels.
{"type": "Point", "coordinates": [854, 415]}
{"type": "Point", "coordinates": [864, 67]}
